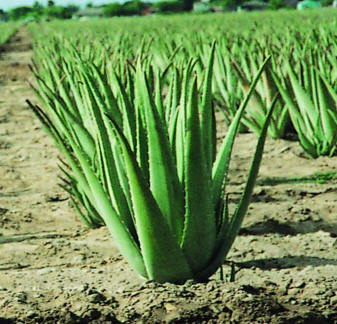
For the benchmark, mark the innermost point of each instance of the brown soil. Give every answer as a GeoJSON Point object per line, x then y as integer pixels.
{"type": "Point", "coordinates": [55, 270]}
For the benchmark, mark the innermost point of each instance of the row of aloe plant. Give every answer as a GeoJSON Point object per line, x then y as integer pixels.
{"type": "Point", "coordinates": [145, 163]}
{"type": "Point", "coordinates": [137, 130]}
{"type": "Point", "coordinates": [7, 30]}
{"type": "Point", "coordinates": [242, 53]}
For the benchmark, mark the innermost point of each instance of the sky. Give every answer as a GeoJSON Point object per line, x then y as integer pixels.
{"type": "Point", "coordinates": [8, 4]}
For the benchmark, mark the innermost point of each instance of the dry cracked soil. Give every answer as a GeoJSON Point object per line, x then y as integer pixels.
{"type": "Point", "coordinates": [55, 270]}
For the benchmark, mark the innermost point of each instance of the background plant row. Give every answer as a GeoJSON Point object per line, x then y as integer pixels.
{"type": "Point", "coordinates": [132, 108]}
{"type": "Point", "coordinates": [302, 47]}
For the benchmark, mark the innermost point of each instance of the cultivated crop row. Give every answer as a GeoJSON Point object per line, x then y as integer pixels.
{"type": "Point", "coordinates": [7, 30]}
{"type": "Point", "coordinates": [132, 108]}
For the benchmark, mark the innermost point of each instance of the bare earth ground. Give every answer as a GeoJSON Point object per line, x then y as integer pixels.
{"type": "Point", "coordinates": [55, 270]}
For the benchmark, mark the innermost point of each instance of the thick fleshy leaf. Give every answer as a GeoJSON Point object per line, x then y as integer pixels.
{"type": "Point", "coordinates": [199, 217]}
{"type": "Point", "coordinates": [326, 103]}
{"type": "Point", "coordinates": [206, 114]}
{"type": "Point", "coordinates": [107, 162]}
{"type": "Point", "coordinates": [231, 225]}
{"type": "Point", "coordinates": [154, 233]}
{"type": "Point", "coordinates": [164, 182]}
{"type": "Point", "coordinates": [305, 104]}
{"type": "Point", "coordinates": [123, 238]}
{"type": "Point", "coordinates": [93, 189]}
{"type": "Point", "coordinates": [221, 165]}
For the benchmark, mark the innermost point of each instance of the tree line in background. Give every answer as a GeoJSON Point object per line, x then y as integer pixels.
{"type": "Point", "coordinates": [128, 8]}
{"type": "Point", "coordinates": [38, 11]}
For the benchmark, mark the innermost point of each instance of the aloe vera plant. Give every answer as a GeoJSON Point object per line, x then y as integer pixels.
{"type": "Point", "coordinates": [153, 177]}
{"type": "Point", "coordinates": [312, 103]}
{"type": "Point", "coordinates": [263, 96]}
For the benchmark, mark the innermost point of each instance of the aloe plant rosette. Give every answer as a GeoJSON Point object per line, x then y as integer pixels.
{"type": "Point", "coordinates": [155, 180]}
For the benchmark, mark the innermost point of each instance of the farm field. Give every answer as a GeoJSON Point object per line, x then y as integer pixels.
{"type": "Point", "coordinates": [55, 269]}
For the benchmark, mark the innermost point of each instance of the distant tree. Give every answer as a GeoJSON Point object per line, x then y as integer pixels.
{"type": "Point", "coordinates": [89, 5]}
{"type": "Point", "coordinates": [326, 3]}
{"type": "Point", "coordinates": [19, 13]}
{"type": "Point", "coordinates": [71, 9]}
{"type": "Point", "coordinates": [231, 4]}
{"type": "Point", "coordinates": [37, 5]}
{"type": "Point", "coordinates": [188, 4]}
{"type": "Point", "coordinates": [112, 9]}
{"type": "Point", "coordinates": [169, 6]}
{"type": "Point", "coordinates": [276, 4]}
{"type": "Point", "coordinates": [134, 7]}
{"type": "Point", "coordinates": [51, 3]}
{"type": "Point", "coordinates": [128, 8]}
{"type": "Point", "coordinates": [37, 10]}
{"type": "Point", "coordinates": [60, 12]}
